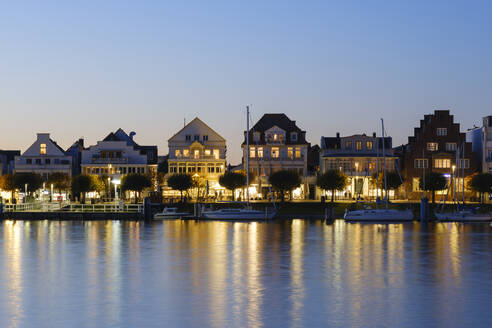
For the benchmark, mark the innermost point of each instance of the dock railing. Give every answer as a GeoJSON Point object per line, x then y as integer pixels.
{"type": "Point", "coordinates": [72, 207]}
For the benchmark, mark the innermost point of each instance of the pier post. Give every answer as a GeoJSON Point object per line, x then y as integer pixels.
{"type": "Point", "coordinates": [424, 209]}
{"type": "Point", "coordinates": [147, 211]}
{"type": "Point", "coordinates": [1, 212]}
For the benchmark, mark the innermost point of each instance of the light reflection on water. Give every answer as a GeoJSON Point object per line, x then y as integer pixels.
{"type": "Point", "coordinates": [214, 274]}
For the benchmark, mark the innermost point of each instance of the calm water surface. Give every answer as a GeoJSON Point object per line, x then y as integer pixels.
{"type": "Point", "coordinates": [219, 274]}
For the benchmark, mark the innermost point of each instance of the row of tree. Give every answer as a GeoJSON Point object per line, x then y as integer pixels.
{"type": "Point", "coordinates": [283, 182]}
{"type": "Point", "coordinates": [78, 185]}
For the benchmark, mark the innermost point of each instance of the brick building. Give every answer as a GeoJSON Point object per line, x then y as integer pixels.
{"type": "Point", "coordinates": [433, 147]}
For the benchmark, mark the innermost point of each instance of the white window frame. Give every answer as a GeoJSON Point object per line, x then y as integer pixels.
{"type": "Point", "coordinates": [421, 163]}
{"type": "Point", "coordinates": [442, 132]}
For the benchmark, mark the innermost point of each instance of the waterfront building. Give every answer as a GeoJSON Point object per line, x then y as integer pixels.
{"type": "Point", "coordinates": [200, 151]}
{"type": "Point", "coordinates": [359, 156]}
{"type": "Point", "coordinates": [75, 151]}
{"type": "Point", "coordinates": [481, 139]}
{"type": "Point", "coordinates": [44, 157]}
{"type": "Point", "coordinates": [118, 154]}
{"type": "Point", "coordinates": [433, 147]}
{"type": "Point", "coordinates": [277, 143]}
{"type": "Point", "coordinates": [7, 158]}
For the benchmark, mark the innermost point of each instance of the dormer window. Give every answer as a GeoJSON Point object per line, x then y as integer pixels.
{"type": "Point", "coordinates": [293, 136]}
{"type": "Point", "coordinates": [256, 136]}
{"type": "Point", "coordinates": [205, 138]}
{"type": "Point", "coordinates": [42, 149]}
{"type": "Point", "coordinates": [196, 137]}
{"type": "Point", "coordinates": [188, 137]}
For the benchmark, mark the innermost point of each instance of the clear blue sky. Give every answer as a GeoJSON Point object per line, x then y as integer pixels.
{"type": "Point", "coordinates": [85, 68]}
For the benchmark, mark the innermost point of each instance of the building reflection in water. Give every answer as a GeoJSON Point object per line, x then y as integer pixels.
{"type": "Point", "coordinates": [286, 273]}
{"type": "Point", "coordinates": [297, 271]}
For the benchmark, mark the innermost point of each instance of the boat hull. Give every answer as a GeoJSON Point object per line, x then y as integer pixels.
{"type": "Point", "coordinates": [463, 217]}
{"type": "Point", "coordinates": [379, 215]}
{"type": "Point", "coordinates": [238, 215]}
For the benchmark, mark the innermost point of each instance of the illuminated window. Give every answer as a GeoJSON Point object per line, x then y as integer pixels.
{"type": "Point", "coordinates": [42, 149]}
{"type": "Point", "coordinates": [369, 145]}
{"type": "Point", "coordinates": [207, 152]}
{"type": "Point", "coordinates": [216, 154]}
{"type": "Point", "coordinates": [275, 152]}
{"type": "Point", "coordinates": [432, 146]}
{"type": "Point", "coordinates": [348, 144]}
{"type": "Point", "coordinates": [298, 152]}
{"type": "Point", "coordinates": [177, 153]}
{"type": "Point", "coordinates": [218, 168]}
{"type": "Point", "coordinates": [290, 152]}
{"type": "Point", "coordinates": [197, 153]}
{"type": "Point", "coordinates": [260, 152]}
{"type": "Point", "coordinates": [358, 145]}
{"type": "Point", "coordinates": [252, 152]}
{"type": "Point", "coordinates": [186, 152]}
{"type": "Point", "coordinates": [442, 163]}
{"type": "Point", "coordinates": [416, 184]}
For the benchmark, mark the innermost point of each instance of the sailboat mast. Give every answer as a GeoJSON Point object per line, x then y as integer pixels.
{"type": "Point", "coordinates": [384, 165]}
{"type": "Point", "coordinates": [463, 175]}
{"type": "Point", "coordinates": [247, 154]}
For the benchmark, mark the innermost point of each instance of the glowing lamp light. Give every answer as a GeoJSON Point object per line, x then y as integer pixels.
{"type": "Point", "coordinates": [116, 181]}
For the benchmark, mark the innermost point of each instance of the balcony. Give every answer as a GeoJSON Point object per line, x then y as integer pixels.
{"type": "Point", "coordinates": [199, 158]}
{"type": "Point", "coordinates": [106, 160]}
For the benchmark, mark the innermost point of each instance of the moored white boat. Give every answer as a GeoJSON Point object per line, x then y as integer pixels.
{"type": "Point", "coordinates": [246, 213]}
{"type": "Point", "coordinates": [170, 213]}
{"type": "Point", "coordinates": [239, 214]}
{"type": "Point", "coordinates": [379, 215]}
{"type": "Point", "coordinates": [464, 216]}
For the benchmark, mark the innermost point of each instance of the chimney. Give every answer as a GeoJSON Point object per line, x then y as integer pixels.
{"type": "Point", "coordinates": [43, 136]}
{"type": "Point", "coordinates": [338, 134]}
{"type": "Point", "coordinates": [374, 134]}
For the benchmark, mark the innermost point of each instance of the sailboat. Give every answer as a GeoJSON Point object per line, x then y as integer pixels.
{"type": "Point", "coordinates": [380, 215]}
{"type": "Point", "coordinates": [241, 213]}
{"type": "Point", "coordinates": [462, 213]}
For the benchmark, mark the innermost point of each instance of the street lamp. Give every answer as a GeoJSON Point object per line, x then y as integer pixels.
{"type": "Point", "coordinates": [454, 182]}
{"type": "Point", "coordinates": [116, 183]}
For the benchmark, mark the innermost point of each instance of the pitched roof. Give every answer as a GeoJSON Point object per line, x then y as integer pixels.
{"type": "Point", "coordinates": [196, 119]}
{"type": "Point", "coordinates": [267, 121]}
{"type": "Point", "coordinates": [281, 120]}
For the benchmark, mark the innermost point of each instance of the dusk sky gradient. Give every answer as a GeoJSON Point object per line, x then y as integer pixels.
{"type": "Point", "coordinates": [86, 68]}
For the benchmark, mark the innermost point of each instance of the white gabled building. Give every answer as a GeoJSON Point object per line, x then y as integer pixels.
{"type": "Point", "coordinates": [118, 154]}
{"type": "Point", "coordinates": [44, 157]}
{"type": "Point", "coordinates": [199, 151]}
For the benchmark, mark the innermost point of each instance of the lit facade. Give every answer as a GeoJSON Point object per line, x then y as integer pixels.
{"type": "Point", "coordinates": [359, 157]}
{"type": "Point", "coordinates": [433, 147]}
{"type": "Point", "coordinates": [201, 152]}
{"type": "Point", "coordinates": [276, 143]}
{"type": "Point", "coordinates": [44, 157]}
{"type": "Point", "coordinates": [118, 154]}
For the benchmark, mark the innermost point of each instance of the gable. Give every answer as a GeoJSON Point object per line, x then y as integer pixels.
{"type": "Point", "coordinates": [196, 127]}
{"type": "Point", "coordinates": [52, 149]}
